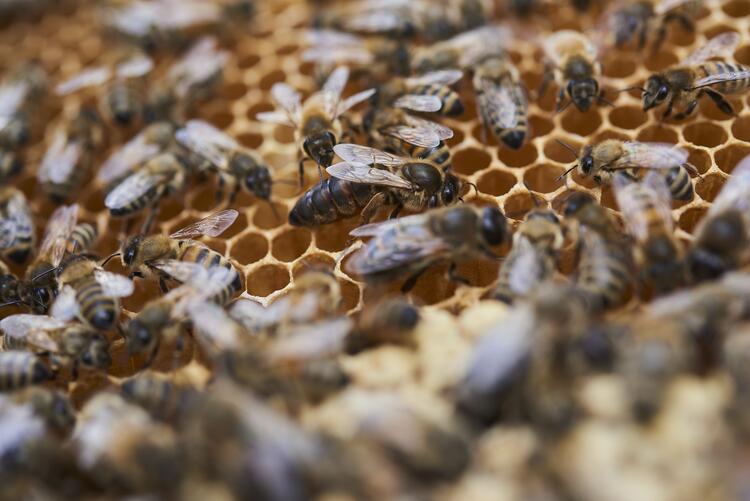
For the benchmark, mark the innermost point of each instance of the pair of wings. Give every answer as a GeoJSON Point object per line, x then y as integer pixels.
{"type": "Point", "coordinates": [200, 64]}
{"type": "Point", "coordinates": [135, 152]}
{"type": "Point", "coordinates": [633, 198]}
{"type": "Point", "coordinates": [290, 101]}
{"type": "Point", "coordinates": [34, 330]}
{"type": "Point", "coordinates": [16, 220]}
{"type": "Point", "coordinates": [498, 104]}
{"type": "Point", "coordinates": [209, 142]}
{"type": "Point", "coordinates": [722, 46]}
{"type": "Point", "coordinates": [469, 47]}
{"type": "Point", "coordinates": [138, 184]}
{"type": "Point", "coordinates": [198, 285]}
{"type": "Point", "coordinates": [210, 226]}
{"type": "Point", "coordinates": [60, 226]}
{"type": "Point", "coordinates": [12, 97]}
{"type": "Point", "coordinates": [651, 156]}
{"type": "Point", "coordinates": [66, 308]}
{"type": "Point", "coordinates": [423, 102]}
{"type": "Point", "coordinates": [333, 47]}
{"type": "Point", "coordinates": [361, 165]}
{"type": "Point", "coordinates": [140, 17]}
{"type": "Point", "coordinates": [61, 158]}
{"type": "Point", "coordinates": [417, 131]}
{"type": "Point", "coordinates": [258, 318]}
{"type": "Point", "coordinates": [133, 67]}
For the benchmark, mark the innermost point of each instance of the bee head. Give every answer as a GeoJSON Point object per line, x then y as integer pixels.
{"type": "Point", "coordinates": [577, 201]}
{"type": "Point", "coordinates": [97, 354]}
{"type": "Point", "coordinates": [319, 147]}
{"type": "Point", "coordinates": [494, 226]}
{"type": "Point", "coordinates": [583, 92]}
{"type": "Point", "coordinates": [258, 182]}
{"type": "Point", "coordinates": [451, 189]}
{"type": "Point", "coordinates": [9, 288]}
{"type": "Point", "coordinates": [139, 336]}
{"type": "Point", "coordinates": [657, 91]}
{"type": "Point", "coordinates": [586, 162]}
{"type": "Point", "coordinates": [130, 250]}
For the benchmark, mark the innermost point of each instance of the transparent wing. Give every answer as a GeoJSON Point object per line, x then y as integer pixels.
{"type": "Point", "coordinates": [719, 46]}
{"type": "Point", "coordinates": [440, 77]}
{"type": "Point", "coordinates": [134, 153]}
{"type": "Point", "coordinates": [357, 154]}
{"type": "Point", "coordinates": [203, 285]}
{"type": "Point", "coordinates": [635, 198]}
{"type": "Point", "coordinates": [288, 99]}
{"type": "Point", "coordinates": [442, 131]}
{"type": "Point", "coordinates": [136, 66]}
{"type": "Point", "coordinates": [200, 64]}
{"type": "Point", "coordinates": [363, 174]}
{"type": "Point", "coordinates": [425, 137]}
{"type": "Point", "coordinates": [274, 117]}
{"type": "Point", "coordinates": [113, 284]}
{"type": "Point", "coordinates": [375, 229]}
{"type": "Point", "coordinates": [87, 78]}
{"type": "Point", "coordinates": [215, 330]}
{"type": "Point", "coordinates": [665, 6]}
{"type": "Point", "coordinates": [133, 187]}
{"type": "Point", "coordinates": [195, 142]}
{"type": "Point", "coordinates": [333, 87]}
{"type": "Point", "coordinates": [718, 78]}
{"type": "Point", "coordinates": [212, 226]}
{"type": "Point", "coordinates": [212, 134]}
{"type": "Point", "coordinates": [376, 21]}
{"type": "Point", "coordinates": [60, 159]}
{"type": "Point", "coordinates": [59, 227]}
{"type": "Point", "coordinates": [12, 95]}
{"type": "Point", "coordinates": [352, 101]}
{"type": "Point", "coordinates": [182, 271]}
{"type": "Point", "coordinates": [23, 323]}
{"type": "Point", "coordinates": [417, 102]}
{"type": "Point", "coordinates": [358, 56]}
{"type": "Point", "coordinates": [653, 155]}
{"type": "Point", "coordinates": [498, 105]}
{"type": "Point", "coordinates": [18, 217]}
{"type": "Point", "coordinates": [320, 340]}
{"type": "Point", "coordinates": [256, 317]}
{"type": "Point", "coordinates": [735, 193]}
{"type": "Point", "coordinates": [332, 38]}
{"type": "Point", "coordinates": [527, 270]}
{"type": "Point", "coordinates": [65, 307]}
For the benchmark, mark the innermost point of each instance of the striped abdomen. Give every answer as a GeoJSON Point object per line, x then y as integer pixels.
{"type": "Point", "coordinates": [730, 87]}
{"type": "Point", "coordinates": [439, 155]}
{"type": "Point", "coordinates": [518, 279]}
{"type": "Point", "coordinates": [679, 183]}
{"type": "Point", "coordinates": [603, 272]}
{"type": "Point", "coordinates": [82, 237]}
{"type": "Point", "coordinates": [97, 308]}
{"type": "Point", "coordinates": [452, 104]}
{"type": "Point", "coordinates": [19, 369]}
{"type": "Point", "coordinates": [330, 201]}
{"type": "Point", "coordinates": [123, 102]}
{"type": "Point", "coordinates": [60, 191]}
{"type": "Point", "coordinates": [148, 199]}
{"type": "Point", "coordinates": [195, 252]}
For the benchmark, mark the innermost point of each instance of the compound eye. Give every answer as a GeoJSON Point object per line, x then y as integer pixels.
{"type": "Point", "coordinates": [661, 94]}
{"type": "Point", "coordinates": [587, 165]}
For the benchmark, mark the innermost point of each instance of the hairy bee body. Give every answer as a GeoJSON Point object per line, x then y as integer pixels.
{"type": "Point", "coordinates": [10, 286]}
{"type": "Point", "coordinates": [573, 64]}
{"type": "Point", "coordinates": [16, 213]}
{"type": "Point", "coordinates": [19, 369]}
{"type": "Point", "coordinates": [501, 100]}
{"type": "Point", "coordinates": [636, 19]}
{"type": "Point", "coordinates": [95, 306]}
{"type": "Point", "coordinates": [191, 251]}
{"type": "Point", "coordinates": [161, 397]}
{"type": "Point", "coordinates": [82, 237]}
{"type": "Point", "coordinates": [390, 321]}
{"type": "Point", "coordinates": [330, 201]}
{"type": "Point", "coordinates": [123, 102]}
{"type": "Point", "coordinates": [31, 79]}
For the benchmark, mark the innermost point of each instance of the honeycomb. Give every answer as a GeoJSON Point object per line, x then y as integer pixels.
{"type": "Point", "coordinates": [272, 254]}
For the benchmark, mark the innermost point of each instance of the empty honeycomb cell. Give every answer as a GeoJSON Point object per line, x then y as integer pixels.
{"type": "Point", "coordinates": [709, 186]}
{"type": "Point", "coordinates": [540, 126]}
{"type": "Point", "coordinates": [249, 248]}
{"type": "Point", "coordinates": [237, 227]}
{"type": "Point", "coordinates": [742, 54]}
{"type": "Point", "coordinates": [94, 202]}
{"type": "Point", "coordinates": [433, 286]}
{"type": "Point", "coordinates": [250, 140]}
{"type": "Point", "coordinates": [269, 215]}
{"type": "Point", "coordinates": [741, 128]}
{"type": "Point", "coordinates": [219, 246]}
{"type": "Point", "coordinates": [470, 160]}
{"type": "Point", "coordinates": [290, 244]}
{"type": "Point", "coordinates": [680, 37]}
{"type": "Point", "coordinates": [699, 159]}
{"type": "Point", "coordinates": [458, 138]}
{"type": "Point", "coordinates": [737, 8]}
{"type": "Point", "coordinates": [283, 134]}
{"type": "Point", "coordinates": [205, 199]}
{"type": "Point", "coordinates": [608, 198]}
{"type": "Point", "coordinates": [349, 295]}
{"type": "Point", "coordinates": [690, 218]}
{"type": "Point", "coordinates": [221, 119]}
{"type": "Point", "coordinates": [169, 209]}
{"type": "Point", "coordinates": [286, 49]}
{"type": "Point", "coordinates": [234, 90]}
{"type": "Point", "coordinates": [627, 117]}
{"type": "Point", "coordinates": [609, 134]}
{"type": "Point", "coordinates": [483, 135]}
{"type": "Point", "coordinates": [248, 61]}
{"type": "Point", "coordinates": [583, 124]}
{"type": "Point", "coordinates": [335, 237]}
{"type": "Point", "coordinates": [660, 61]}
{"type": "Point", "coordinates": [543, 178]}
{"type": "Point", "coordinates": [479, 273]}
{"type": "Point", "coordinates": [496, 182]}
{"type": "Point", "coordinates": [267, 279]}
{"type": "Point", "coordinates": [314, 261]}
{"type": "Point", "coordinates": [658, 134]}
{"type": "Point", "coordinates": [145, 290]}
{"type": "Point", "coordinates": [271, 78]}
{"type": "Point", "coordinates": [718, 29]}
{"type": "Point", "coordinates": [525, 155]}
{"type": "Point", "coordinates": [517, 205]}
{"type": "Point", "coordinates": [556, 151]}
{"type": "Point", "coordinates": [728, 157]}
{"type": "Point", "coordinates": [618, 65]}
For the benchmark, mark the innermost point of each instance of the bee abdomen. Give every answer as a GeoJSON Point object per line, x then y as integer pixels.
{"type": "Point", "coordinates": [604, 276]}
{"type": "Point", "coordinates": [209, 258]}
{"type": "Point", "coordinates": [440, 154]}
{"type": "Point", "coordinates": [680, 185]}
{"type": "Point", "coordinates": [10, 163]}
{"type": "Point", "coordinates": [731, 86]}
{"type": "Point", "coordinates": [122, 102]}
{"type": "Point", "coordinates": [330, 201]}
{"type": "Point", "coordinates": [452, 104]}
{"type": "Point", "coordinates": [145, 200]}
{"type": "Point", "coordinates": [82, 237]}
{"type": "Point", "coordinates": [96, 307]}
{"type": "Point", "coordinates": [19, 369]}
{"type": "Point", "coordinates": [61, 191]}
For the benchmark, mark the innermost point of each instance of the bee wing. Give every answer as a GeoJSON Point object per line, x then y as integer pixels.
{"type": "Point", "coordinates": [60, 159]}
{"type": "Point", "coordinates": [12, 96]}
{"type": "Point", "coordinates": [631, 197]}
{"type": "Point", "coordinates": [418, 102]}
{"type": "Point", "coordinates": [274, 117]}
{"type": "Point", "coordinates": [352, 101]}
{"type": "Point", "coordinates": [133, 187]}
{"type": "Point", "coordinates": [333, 87]}
{"type": "Point", "coordinates": [358, 56]}
{"type": "Point", "coordinates": [136, 66]}
{"type": "Point", "coordinates": [59, 227]}
{"type": "Point", "coordinates": [212, 134]}
{"type": "Point", "coordinates": [735, 193]}
{"type": "Point", "coordinates": [440, 77]}
{"type": "Point", "coordinates": [425, 137]}
{"type": "Point", "coordinates": [332, 38]}
{"type": "Point", "coordinates": [87, 78]}
{"type": "Point", "coordinates": [202, 285]}
{"type": "Point", "coordinates": [289, 100]}
{"type": "Point", "coordinates": [718, 78]}
{"type": "Point", "coordinates": [364, 174]}
{"type": "Point", "coordinates": [23, 323]}
{"type": "Point", "coordinates": [215, 330]}
{"type": "Point", "coordinates": [255, 316]}
{"type": "Point", "coordinates": [182, 271]}
{"type": "Point", "coordinates": [19, 217]}
{"type": "Point", "coordinates": [653, 155]}
{"type": "Point", "coordinates": [527, 268]}
{"type": "Point", "coordinates": [201, 63]}
{"type": "Point", "coordinates": [498, 104]}
{"type": "Point", "coordinates": [212, 226]}
{"type": "Point", "coordinates": [375, 229]}
{"type": "Point", "coordinates": [665, 6]}
{"type": "Point", "coordinates": [559, 44]}
{"type": "Point", "coordinates": [310, 342]}
{"type": "Point", "coordinates": [113, 284]}
{"type": "Point", "coordinates": [375, 21]}
{"type": "Point", "coordinates": [65, 307]}
{"type": "Point", "coordinates": [357, 154]}
{"type": "Point", "coordinates": [134, 153]}
{"type": "Point", "coordinates": [719, 46]}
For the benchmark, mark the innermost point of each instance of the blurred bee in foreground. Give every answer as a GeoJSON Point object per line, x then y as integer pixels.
{"type": "Point", "coordinates": [19, 369]}
{"type": "Point", "coordinates": [68, 161]}
{"type": "Point", "coordinates": [20, 93]}
{"type": "Point", "coordinates": [193, 78]}
{"type": "Point", "coordinates": [525, 7]}
{"type": "Point", "coordinates": [602, 160]}
{"type": "Point", "coordinates": [163, 398]}
{"type": "Point", "coordinates": [462, 50]}
{"type": "Point", "coordinates": [82, 238]}
{"type": "Point", "coordinates": [316, 122]}
{"type": "Point", "coordinates": [409, 245]}
{"type": "Point", "coordinates": [722, 236]}
{"type": "Point", "coordinates": [65, 344]}
{"type": "Point", "coordinates": [533, 258]}
{"type": "Point", "coordinates": [123, 98]}
{"type": "Point", "coordinates": [573, 63]}
{"type": "Point", "coordinates": [429, 92]}
{"type": "Point", "coordinates": [634, 20]}
{"type": "Point", "coordinates": [236, 166]}
{"type": "Point", "coordinates": [389, 321]}
{"type": "Point", "coordinates": [682, 85]}
{"type": "Point", "coordinates": [51, 405]}
{"type": "Point", "coordinates": [17, 234]}
{"type": "Point", "coordinates": [647, 212]}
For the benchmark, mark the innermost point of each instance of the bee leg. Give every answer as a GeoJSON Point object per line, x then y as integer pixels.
{"type": "Point", "coordinates": [668, 111]}
{"type": "Point", "coordinates": [412, 281]}
{"type": "Point", "coordinates": [559, 100]}
{"type": "Point", "coordinates": [163, 285]}
{"type": "Point", "coordinates": [395, 212]}
{"type": "Point", "coordinates": [302, 171]}
{"type": "Point", "coordinates": [220, 191]}
{"type": "Point", "coordinates": [453, 275]}
{"type": "Point", "coordinates": [375, 203]}
{"type": "Point", "coordinates": [687, 111]}
{"type": "Point", "coordinates": [719, 100]}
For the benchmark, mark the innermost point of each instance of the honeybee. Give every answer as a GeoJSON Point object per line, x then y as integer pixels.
{"type": "Point", "coordinates": [122, 99]}
{"type": "Point", "coordinates": [461, 51]}
{"type": "Point", "coordinates": [51, 405]}
{"type": "Point", "coordinates": [647, 211]}
{"type": "Point", "coordinates": [429, 92]}
{"type": "Point", "coordinates": [502, 104]}
{"type": "Point", "coordinates": [410, 245]}
{"type": "Point", "coordinates": [19, 97]}
{"type": "Point", "coordinates": [65, 343]}
{"type": "Point", "coordinates": [722, 235]}
{"type": "Point", "coordinates": [572, 62]}
{"type": "Point", "coordinates": [533, 258]}
{"type": "Point", "coordinates": [604, 261]}
{"type": "Point", "coordinates": [19, 369]}
{"type": "Point", "coordinates": [391, 320]}
{"type": "Point", "coordinates": [154, 139]}
{"type": "Point", "coordinates": [237, 166]}
{"type": "Point", "coordinates": [191, 79]}
{"type": "Point", "coordinates": [682, 85]}
{"type": "Point", "coordinates": [316, 122]}
{"type": "Point", "coordinates": [17, 235]}
{"type": "Point", "coordinates": [82, 238]}
{"type": "Point", "coordinates": [635, 19]}
{"type": "Point", "coordinates": [89, 293]}
{"type": "Point", "coordinates": [68, 161]}
{"type": "Point", "coordinates": [11, 290]}
{"type": "Point", "coordinates": [164, 399]}
{"type": "Point", "coordinates": [602, 160]}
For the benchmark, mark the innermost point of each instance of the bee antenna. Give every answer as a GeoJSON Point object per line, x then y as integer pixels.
{"type": "Point", "coordinates": [106, 260]}
{"type": "Point", "coordinates": [565, 173]}
{"type": "Point", "coordinates": [10, 303]}
{"type": "Point", "coordinates": [635, 87]}
{"type": "Point", "coordinates": [476, 190]}
{"type": "Point", "coordinates": [606, 101]}
{"type": "Point", "coordinates": [567, 147]}
{"type": "Point", "coordinates": [273, 209]}
{"type": "Point", "coordinates": [40, 275]}
{"type": "Point", "coordinates": [534, 197]}
{"type": "Point", "coordinates": [564, 106]}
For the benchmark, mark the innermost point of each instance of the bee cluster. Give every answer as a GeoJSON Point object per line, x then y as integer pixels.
{"type": "Point", "coordinates": [464, 249]}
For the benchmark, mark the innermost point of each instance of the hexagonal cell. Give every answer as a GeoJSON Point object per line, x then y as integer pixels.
{"type": "Point", "coordinates": [737, 8]}
{"type": "Point", "coordinates": [433, 286]}
{"type": "Point", "coordinates": [249, 248]}
{"type": "Point", "coordinates": [561, 151]}
{"type": "Point", "coordinates": [269, 215]}
{"type": "Point", "coordinates": [234, 90]}
{"type": "Point", "coordinates": [290, 244]}
{"type": "Point", "coordinates": [221, 119]}
{"type": "Point", "coordinates": [516, 206]}
{"type": "Point", "coordinates": [526, 155]}
{"type": "Point", "coordinates": [658, 134]}
{"type": "Point", "coordinates": [315, 261]}
{"type": "Point", "coordinates": [335, 237]}
{"type": "Point", "coordinates": [583, 124]}
{"type": "Point", "coordinates": [543, 178]}
{"type": "Point", "coordinates": [283, 134]}
{"type": "Point", "coordinates": [496, 182]}
{"type": "Point", "coordinates": [627, 117]}
{"type": "Point", "coordinates": [458, 138]}
{"type": "Point", "coordinates": [742, 54]}
{"type": "Point", "coordinates": [248, 61]}
{"type": "Point", "coordinates": [271, 78]}
{"type": "Point", "coordinates": [540, 126]}
{"type": "Point", "coordinates": [467, 161]}
{"type": "Point", "coordinates": [660, 61]}
{"type": "Point", "coordinates": [709, 186]}
{"type": "Point", "coordinates": [741, 128]}
{"type": "Point", "coordinates": [690, 218]}
{"type": "Point", "coordinates": [483, 135]}
{"type": "Point", "coordinates": [699, 159]}
{"type": "Point", "coordinates": [349, 295]}
{"type": "Point", "coordinates": [250, 140]}
{"type": "Point", "coordinates": [617, 64]}
{"type": "Point", "coordinates": [728, 157]}
{"type": "Point", "coordinates": [204, 199]}
{"type": "Point", "coordinates": [267, 279]}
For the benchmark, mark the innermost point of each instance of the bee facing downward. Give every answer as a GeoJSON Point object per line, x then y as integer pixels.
{"type": "Point", "coordinates": [572, 61]}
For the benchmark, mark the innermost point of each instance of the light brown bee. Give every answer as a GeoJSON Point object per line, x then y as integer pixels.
{"type": "Point", "coordinates": [409, 245]}
{"type": "Point", "coordinates": [163, 398]}
{"type": "Point", "coordinates": [19, 369]}
{"type": "Point", "coordinates": [82, 238]}
{"type": "Point", "coordinates": [429, 92]}
{"type": "Point", "coordinates": [602, 160]}
{"type": "Point", "coordinates": [634, 21]}
{"type": "Point", "coordinates": [70, 157]}
{"type": "Point", "coordinates": [390, 321]}
{"type": "Point", "coordinates": [461, 51]}
{"type": "Point", "coordinates": [647, 211]}
{"type": "Point", "coordinates": [533, 258]}
{"type": "Point", "coordinates": [682, 85]}
{"type": "Point", "coordinates": [17, 235]}
{"type": "Point", "coordinates": [316, 121]}
{"type": "Point", "coordinates": [572, 62]}
{"type": "Point", "coordinates": [51, 405]}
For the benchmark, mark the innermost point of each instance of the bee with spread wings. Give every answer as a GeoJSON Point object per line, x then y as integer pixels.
{"type": "Point", "coordinates": [122, 99]}
{"type": "Point", "coordinates": [236, 165]}
{"type": "Point", "coordinates": [682, 85]}
{"type": "Point", "coordinates": [316, 121]}
{"type": "Point", "coordinates": [409, 245]}
{"type": "Point", "coordinates": [429, 92]}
